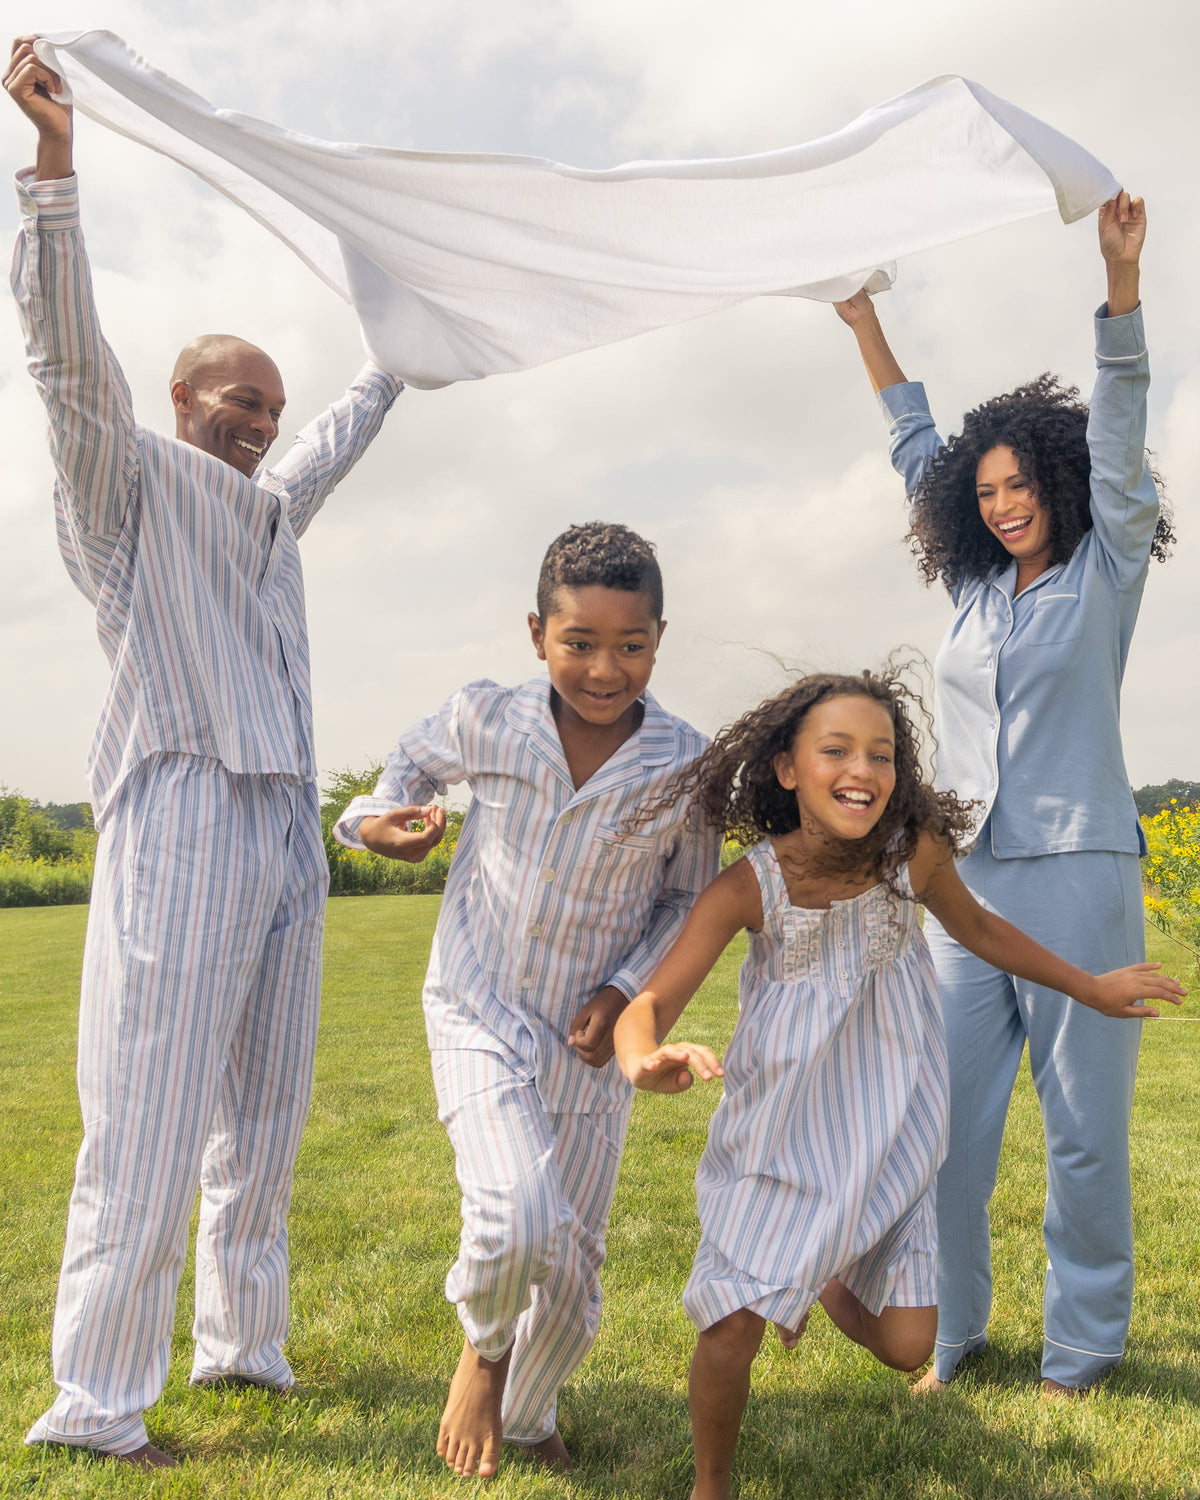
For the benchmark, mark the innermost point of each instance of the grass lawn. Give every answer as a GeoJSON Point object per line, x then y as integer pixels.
{"type": "Point", "coordinates": [375, 1224]}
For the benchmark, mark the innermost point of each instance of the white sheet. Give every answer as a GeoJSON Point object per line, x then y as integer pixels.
{"type": "Point", "coordinates": [465, 266]}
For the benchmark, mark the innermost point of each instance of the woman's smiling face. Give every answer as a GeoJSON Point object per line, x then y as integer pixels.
{"type": "Point", "coordinates": [1012, 508]}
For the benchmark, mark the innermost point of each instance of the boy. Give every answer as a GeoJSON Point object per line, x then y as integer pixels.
{"type": "Point", "coordinates": [556, 910]}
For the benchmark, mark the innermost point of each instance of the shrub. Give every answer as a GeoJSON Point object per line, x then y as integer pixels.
{"type": "Point", "coordinates": [1171, 872]}
{"type": "Point", "coordinates": [44, 882]}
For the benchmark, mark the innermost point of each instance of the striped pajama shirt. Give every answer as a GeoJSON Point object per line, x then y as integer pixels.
{"type": "Point", "coordinates": [550, 898]}
{"type": "Point", "coordinates": [823, 1152]}
{"type": "Point", "coordinates": [202, 967]}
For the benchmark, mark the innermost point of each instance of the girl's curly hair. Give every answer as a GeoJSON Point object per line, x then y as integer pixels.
{"type": "Point", "coordinates": [1045, 424]}
{"type": "Point", "coordinates": [733, 785]}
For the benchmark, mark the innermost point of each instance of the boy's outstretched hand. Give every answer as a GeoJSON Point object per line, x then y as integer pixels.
{"type": "Point", "coordinates": [674, 1067]}
{"type": "Point", "coordinates": [390, 835]}
{"type": "Point", "coordinates": [591, 1031]}
{"type": "Point", "coordinates": [1118, 992]}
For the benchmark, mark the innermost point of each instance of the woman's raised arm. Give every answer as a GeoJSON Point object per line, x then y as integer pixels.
{"type": "Point", "coordinates": [859, 312]}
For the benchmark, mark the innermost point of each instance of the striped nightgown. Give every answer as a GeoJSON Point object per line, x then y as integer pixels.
{"type": "Point", "coordinates": [821, 1156]}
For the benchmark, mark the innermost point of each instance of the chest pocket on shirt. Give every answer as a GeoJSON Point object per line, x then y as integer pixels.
{"type": "Point", "coordinates": [617, 860]}
{"type": "Point", "coordinates": [1056, 620]}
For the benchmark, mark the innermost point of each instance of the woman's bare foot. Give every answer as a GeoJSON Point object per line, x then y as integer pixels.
{"type": "Point", "coordinates": [929, 1384]}
{"type": "Point", "coordinates": [1053, 1390]}
{"type": "Point", "coordinates": [552, 1451]}
{"type": "Point", "coordinates": [145, 1457]}
{"type": "Point", "coordinates": [790, 1337]}
{"type": "Point", "coordinates": [470, 1431]}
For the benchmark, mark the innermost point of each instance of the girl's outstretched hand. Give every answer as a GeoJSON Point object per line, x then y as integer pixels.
{"type": "Point", "coordinates": [1117, 993]}
{"type": "Point", "coordinates": [670, 1069]}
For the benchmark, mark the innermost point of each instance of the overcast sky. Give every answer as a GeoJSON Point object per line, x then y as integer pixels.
{"type": "Point", "coordinates": [746, 445]}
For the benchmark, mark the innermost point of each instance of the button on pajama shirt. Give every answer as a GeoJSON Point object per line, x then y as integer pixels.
{"type": "Point", "coordinates": [552, 895]}
{"type": "Point", "coordinates": [201, 978]}
{"type": "Point", "coordinates": [1028, 721]}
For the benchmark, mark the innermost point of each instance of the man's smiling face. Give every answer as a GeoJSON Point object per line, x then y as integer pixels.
{"type": "Point", "coordinates": [228, 400]}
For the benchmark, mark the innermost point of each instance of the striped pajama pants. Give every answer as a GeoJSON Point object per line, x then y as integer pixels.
{"type": "Point", "coordinates": [198, 1021]}
{"type": "Point", "coordinates": [536, 1192]}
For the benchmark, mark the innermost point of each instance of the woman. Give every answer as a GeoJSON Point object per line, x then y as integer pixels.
{"type": "Point", "coordinates": [1040, 519]}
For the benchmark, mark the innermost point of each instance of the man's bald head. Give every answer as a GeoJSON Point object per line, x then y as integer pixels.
{"type": "Point", "coordinates": [228, 397]}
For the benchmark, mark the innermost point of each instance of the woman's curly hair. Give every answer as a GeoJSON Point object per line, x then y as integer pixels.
{"type": "Point", "coordinates": [1045, 424]}
{"type": "Point", "coordinates": [733, 785]}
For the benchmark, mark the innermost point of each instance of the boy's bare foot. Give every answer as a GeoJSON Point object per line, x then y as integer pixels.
{"type": "Point", "coordinates": [145, 1457]}
{"type": "Point", "coordinates": [929, 1384]}
{"type": "Point", "coordinates": [1053, 1390]}
{"type": "Point", "coordinates": [552, 1451]}
{"type": "Point", "coordinates": [470, 1432]}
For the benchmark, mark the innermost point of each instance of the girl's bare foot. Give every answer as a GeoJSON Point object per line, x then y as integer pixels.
{"type": "Point", "coordinates": [552, 1451]}
{"type": "Point", "coordinates": [929, 1384]}
{"type": "Point", "coordinates": [470, 1432]}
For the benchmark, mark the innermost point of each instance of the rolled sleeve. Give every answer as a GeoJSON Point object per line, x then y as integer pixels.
{"type": "Point", "coordinates": [914, 439]}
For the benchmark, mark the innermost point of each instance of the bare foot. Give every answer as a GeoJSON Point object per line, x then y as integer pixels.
{"type": "Point", "coordinates": [145, 1457]}
{"type": "Point", "coordinates": [790, 1337]}
{"type": "Point", "coordinates": [1052, 1390]}
{"type": "Point", "coordinates": [552, 1451]}
{"type": "Point", "coordinates": [470, 1432]}
{"type": "Point", "coordinates": [929, 1384]}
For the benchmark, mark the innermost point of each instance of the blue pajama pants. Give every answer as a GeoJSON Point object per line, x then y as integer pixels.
{"type": "Point", "coordinates": [1086, 907]}
{"type": "Point", "coordinates": [197, 1028]}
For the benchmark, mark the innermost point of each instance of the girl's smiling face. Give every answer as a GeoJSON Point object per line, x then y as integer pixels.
{"type": "Point", "coordinates": [842, 766]}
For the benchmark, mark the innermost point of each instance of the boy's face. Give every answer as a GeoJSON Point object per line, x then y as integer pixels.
{"type": "Point", "coordinates": [599, 645]}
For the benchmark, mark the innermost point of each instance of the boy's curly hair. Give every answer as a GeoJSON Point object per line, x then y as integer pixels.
{"type": "Point", "coordinates": [733, 785]}
{"type": "Point", "coordinates": [600, 553]}
{"type": "Point", "coordinates": [1045, 424]}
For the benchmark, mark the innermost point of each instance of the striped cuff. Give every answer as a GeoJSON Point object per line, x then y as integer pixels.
{"type": "Point", "coordinates": [53, 204]}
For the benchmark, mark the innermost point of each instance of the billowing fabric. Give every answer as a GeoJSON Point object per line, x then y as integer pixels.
{"type": "Point", "coordinates": [197, 1028]}
{"type": "Point", "coordinates": [822, 1154]}
{"type": "Point", "coordinates": [536, 1192]}
{"type": "Point", "coordinates": [1028, 689]}
{"type": "Point", "coordinates": [463, 266]}
{"type": "Point", "coordinates": [193, 568]}
{"type": "Point", "coordinates": [1087, 906]}
{"type": "Point", "coordinates": [552, 894]}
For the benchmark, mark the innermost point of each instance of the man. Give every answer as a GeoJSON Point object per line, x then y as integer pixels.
{"type": "Point", "coordinates": [201, 981]}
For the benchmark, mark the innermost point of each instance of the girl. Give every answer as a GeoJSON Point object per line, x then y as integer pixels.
{"type": "Point", "coordinates": [1040, 519]}
{"type": "Point", "coordinates": [817, 1180]}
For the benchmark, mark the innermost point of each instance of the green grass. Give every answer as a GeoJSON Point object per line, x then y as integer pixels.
{"type": "Point", "coordinates": [375, 1225]}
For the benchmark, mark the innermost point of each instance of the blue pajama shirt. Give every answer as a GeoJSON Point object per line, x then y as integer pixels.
{"type": "Point", "coordinates": [1027, 709]}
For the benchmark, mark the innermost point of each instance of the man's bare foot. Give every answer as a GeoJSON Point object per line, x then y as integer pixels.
{"type": "Point", "coordinates": [470, 1432]}
{"type": "Point", "coordinates": [929, 1384]}
{"type": "Point", "coordinates": [552, 1451]}
{"type": "Point", "coordinates": [145, 1457]}
{"type": "Point", "coordinates": [1053, 1390]}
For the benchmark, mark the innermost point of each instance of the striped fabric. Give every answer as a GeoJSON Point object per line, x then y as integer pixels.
{"type": "Point", "coordinates": [192, 567]}
{"type": "Point", "coordinates": [549, 898]}
{"type": "Point", "coordinates": [822, 1154]}
{"type": "Point", "coordinates": [198, 1021]}
{"type": "Point", "coordinates": [536, 1189]}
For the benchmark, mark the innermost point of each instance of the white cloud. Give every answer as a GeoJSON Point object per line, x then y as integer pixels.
{"type": "Point", "coordinates": [746, 445]}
